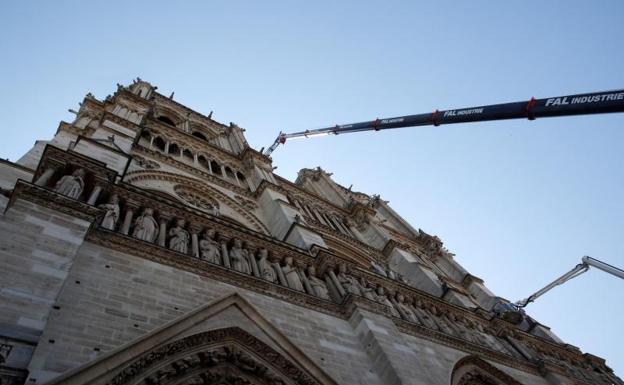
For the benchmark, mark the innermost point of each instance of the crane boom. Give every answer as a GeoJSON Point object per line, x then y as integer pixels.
{"type": "Point", "coordinates": [586, 263]}
{"type": "Point", "coordinates": [579, 104]}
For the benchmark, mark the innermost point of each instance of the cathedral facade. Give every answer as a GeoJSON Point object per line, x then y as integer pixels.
{"type": "Point", "coordinates": [148, 244]}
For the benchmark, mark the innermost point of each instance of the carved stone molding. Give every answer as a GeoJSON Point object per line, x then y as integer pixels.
{"type": "Point", "coordinates": [222, 356]}
{"type": "Point", "coordinates": [473, 370]}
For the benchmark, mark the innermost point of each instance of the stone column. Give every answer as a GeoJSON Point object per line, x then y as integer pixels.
{"type": "Point", "coordinates": [151, 142]}
{"type": "Point", "coordinates": [280, 274]}
{"type": "Point", "coordinates": [125, 227]}
{"type": "Point", "coordinates": [337, 284]}
{"type": "Point", "coordinates": [167, 148]}
{"type": "Point", "coordinates": [195, 162]}
{"type": "Point", "coordinates": [304, 280]}
{"type": "Point", "coordinates": [44, 179]}
{"type": "Point", "coordinates": [162, 232]}
{"type": "Point", "coordinates": [254, 264]}
{"type": "Point", "coordinates": [94, 195]}
{"type": "Point", "coordinates": [225, 255]}
{"type": "Point", "coordinates": [194, 230]}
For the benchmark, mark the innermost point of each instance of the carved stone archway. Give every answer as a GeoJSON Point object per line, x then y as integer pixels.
{"type": "Point", "coordinates": [219, 357]}
{"type": "Point", "coordinates": [472, 370]}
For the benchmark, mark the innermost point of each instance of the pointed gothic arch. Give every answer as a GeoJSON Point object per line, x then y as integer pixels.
{"type": "Point", "coordinates": [222, 356]}
{"type": "Point", "coordinates": [473, 370]}
{"type": "Point", "coordinates": [153, 179]}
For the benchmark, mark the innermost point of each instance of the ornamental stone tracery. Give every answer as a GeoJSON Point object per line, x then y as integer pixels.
{"type": "Point", "coordinates": [196, 199]}
{"type": "Point", "coordinates": [222, 356]}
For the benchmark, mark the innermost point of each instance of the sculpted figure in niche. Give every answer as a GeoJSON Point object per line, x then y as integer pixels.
{"type": "Point", "coordinates": [348, 282]}
{"type": "Point", "coordinates": [367, 291]}
{"type": "Point", "coordinates": [210, 248]}
{"type": "Point", "coordinates": [382, 298]}
{"type": "Point", "coordinates": [377, 268]}
{"type": "Point", "coordinates": [145, 226]}
{"type": "Point", "coordinates": [238, 259]}
{"type": "Point", "coordinates": [179, 238]}
{"type": "Point", "coordinates": [292, 275]}
{"type": "Point", "coordinates": [71, 185]}
{"type": "Point", "coordinates": [318, 285]}
{"type": "Point", "coordinates": [264, 266]}
{"type": "Point", "coordinates": [405, 310]}
{"type": "Point", "coordinates": [112, 212]}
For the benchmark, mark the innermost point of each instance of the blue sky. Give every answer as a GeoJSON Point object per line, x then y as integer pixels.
{"type": "Point", "coordinates": [519, 202]}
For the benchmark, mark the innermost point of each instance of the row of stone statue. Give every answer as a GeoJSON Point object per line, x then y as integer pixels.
{"type": "Point", "coordinates": [417, 311]}
{"type": "Point", "coordinates": [213, 249]}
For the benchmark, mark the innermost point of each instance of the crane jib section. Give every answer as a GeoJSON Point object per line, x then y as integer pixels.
{"type": "Point", "coordinates": [579, 104]}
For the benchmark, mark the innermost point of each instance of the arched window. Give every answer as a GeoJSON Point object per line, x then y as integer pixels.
{"type": "Point", "coordinates": [174, 149]}
{"type": "Point", "coordinates": [200, 135]}
{"type": "Point", "coordinates": [203, 162]}
{"type": "Point", "coordinates": [240, 177]}
{"type": "Point", "coordinates": [229, 173]}
{"type": "Point", "coordinates": [159, 143]}
{"type": "Point", "coordinates": [166, 120]}
{"type": "Point", "coordinates": [145, 134]}
{"type": "Point", "coordinates": [188, 155]}
{"type": "Point", "coordinates": [216, 168]}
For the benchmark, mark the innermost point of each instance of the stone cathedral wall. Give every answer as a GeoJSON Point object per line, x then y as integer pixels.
{"type": "Point", "coordinates": [350, 293]}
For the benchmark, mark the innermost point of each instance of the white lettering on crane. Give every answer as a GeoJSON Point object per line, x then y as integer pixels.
{"type": "Point", "coordinates": [470, 111]}
{"type": "Point", "coordinates": [610, 97]}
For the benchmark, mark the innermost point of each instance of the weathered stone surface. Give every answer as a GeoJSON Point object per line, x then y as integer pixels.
{"type": "Point", "coordinates": [195, 257]}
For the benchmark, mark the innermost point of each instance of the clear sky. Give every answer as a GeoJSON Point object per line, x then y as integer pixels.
{"type": "Point", "coordinates": [519, 202]}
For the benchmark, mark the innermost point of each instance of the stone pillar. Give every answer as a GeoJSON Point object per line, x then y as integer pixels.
{"type": "Point", "coordinates": [194, 230]}
{"type": "Point", "coordinates": [151, 142]}
{"type": "Point", "coordinates": [125, 227]}
{"type": "Point", "coordinates": [337, 284]}
{"type": "Point", "coordinates": [225, 255]}
{"type": "Point", "coordinates": [162, 232]}
{"type": "Point", "coordinates": [44, 179]}
{"type": "Point", "coordinates": [167, 148]}
{"type": "Point", "coordinates": [254, 264]}
{"type": "Point", "coordinates": [195, 162]}
{"type": "Point", "coordinates": [280, 274]}
{"type": "Point", "coordinates": [94, 195]}
{"type": "Point", "coordinates": [304, 280]}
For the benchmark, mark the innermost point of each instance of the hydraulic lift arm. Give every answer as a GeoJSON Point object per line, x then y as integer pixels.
{"type": "Point", "coordinates": [579, 104]}
{"type": "Point", "coordinates": [586, 263]}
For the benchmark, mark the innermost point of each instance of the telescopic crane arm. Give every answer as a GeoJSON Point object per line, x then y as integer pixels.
{"type": "Point", "coordinates": [586, 263]}
{"type": "Point", "coordinates": [579, 104]}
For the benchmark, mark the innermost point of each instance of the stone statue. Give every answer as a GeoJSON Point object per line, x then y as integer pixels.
{"type": "Point", "coordinates": [404, 309]}
{"type": "Point", "coordinates": [292, 275]}
{"type": "Point", "coordinates": [318, 285]}
{"type": "Point", "coordinates": [179, 238]}
{"type": "Point", "coordinates": [367, 291]}
{"type": "Point", "coordinates": [396, 276]}
{"type": "Point", "coordinates": [264, 266]}
{"type": "Point", "coordinates": [382, 298]}
{"type": "Point", "coordinates": [112, 212]}
{"type": "Point", "coordinates": [348, 283]}
{"type": "Point", "coordinates": [71, 185]}
{"type": "Point", "coordinates": [145, 226]}
{"type": "Point", "coordinates": [377, 268]}
{"type": "Point", "coordinates": [209, 248]}
{"type": "Point", "coordinates": [238, 259]}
